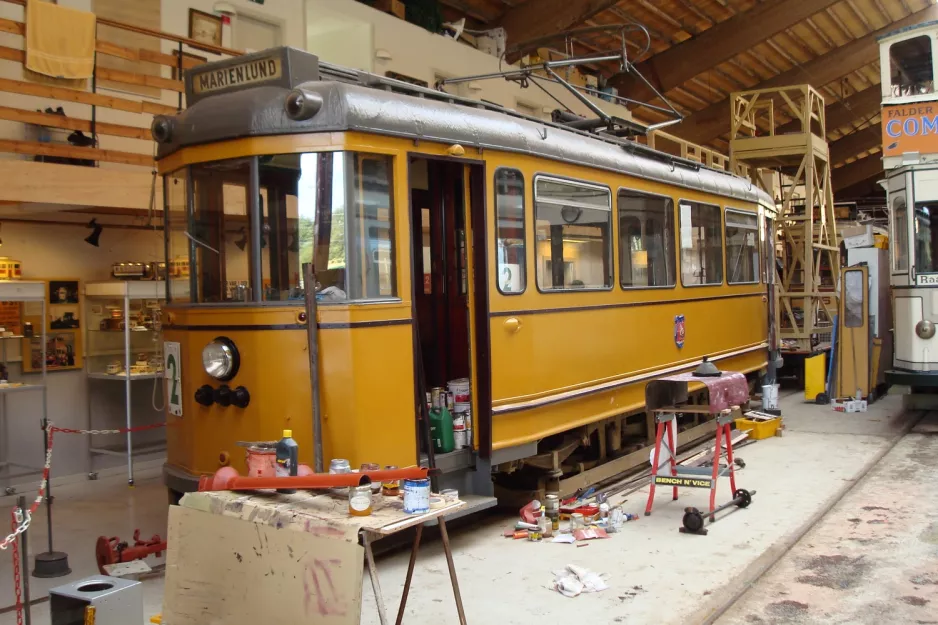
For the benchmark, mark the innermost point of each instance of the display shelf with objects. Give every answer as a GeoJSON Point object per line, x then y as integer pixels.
{"type": "Point", "coordinates": [14, 295]}
{"type": "Point", "coordinates": [123, 334]}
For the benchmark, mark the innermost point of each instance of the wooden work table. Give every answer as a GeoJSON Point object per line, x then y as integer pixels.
{"type": "Point", "coordinates": [240, 557]}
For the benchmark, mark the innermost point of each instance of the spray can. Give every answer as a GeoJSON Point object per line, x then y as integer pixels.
{"type": "Point", "coordinates": [287, 458]}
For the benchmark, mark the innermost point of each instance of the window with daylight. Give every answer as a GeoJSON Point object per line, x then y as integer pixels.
{"type": "Point", "coordinates": [701, 244]}
{"type": "Point", "coordinates": [646, 240]}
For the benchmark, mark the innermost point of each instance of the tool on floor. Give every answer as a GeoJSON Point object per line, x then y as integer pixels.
{"type": "Point", "coordinates": [667, 398]}
{"type": "Point", "coordinates": [112, 550]}
{"type": "Point", "coordinates": [693, 521]}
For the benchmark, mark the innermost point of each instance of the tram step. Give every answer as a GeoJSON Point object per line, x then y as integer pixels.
{"type": "Point", "coordinates": [458, 460]}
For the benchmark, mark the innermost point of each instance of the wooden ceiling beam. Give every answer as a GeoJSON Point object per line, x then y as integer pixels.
{"type": "Point", "coordinates": [709, 123]}
{"type": "Point", "coordinates": [542, 18]}
{"type": "Point", "coordinates": [856, 172]}
{"type": "Point", "coordinates": [717, 44]}
{"type": "Point", "coordinates": [855, 143]}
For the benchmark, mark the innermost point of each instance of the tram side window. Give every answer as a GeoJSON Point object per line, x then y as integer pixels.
{"type": "Point", "coordinates": [742, 247]}
{"type": "Point", "coordinates": [910, 67]}
{"type": "Point", "coordinates": [925, 226]}
{"type": "Point", "coordinates": [220, 217]}
{"type": "Point", "coordinates": [900, 234]}
{"type": "Point", "coordinates": [177, 244]}
{"type": "Point", "coordinates": [574, 235]}
{"type": "Point", "coordinates": [509, 208]}
{"type": "Point", "coordinates": [646, 240]}
{"type": "Point", "coordinates": [345, 227]}
{"type": "Point", "coordinates": [701, 244]}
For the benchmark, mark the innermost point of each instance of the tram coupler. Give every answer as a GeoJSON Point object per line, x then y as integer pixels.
{"type": "Point", "coordinates": [693, 521]}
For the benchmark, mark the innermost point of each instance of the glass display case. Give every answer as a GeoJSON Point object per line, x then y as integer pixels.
{"type": "Point", "coordinates": [124, 345]}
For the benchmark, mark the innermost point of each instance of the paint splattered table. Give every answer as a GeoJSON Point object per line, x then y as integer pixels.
{"type": "Point", "coordinates": [245, 556]}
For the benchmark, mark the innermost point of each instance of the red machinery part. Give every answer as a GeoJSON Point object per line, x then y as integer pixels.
{"type": "Point", "coordinates": [113, 551]}
{"type": "Point", "coordinates": [227, 478]}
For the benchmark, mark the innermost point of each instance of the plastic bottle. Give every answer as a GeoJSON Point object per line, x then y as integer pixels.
{"type": "Point", "coordinates": [441, 430]}
{"type": "Point", "coordinates": [287, 458]}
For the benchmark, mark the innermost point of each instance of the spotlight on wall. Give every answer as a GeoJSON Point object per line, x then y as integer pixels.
{"type": "Point", "coordinates": [95, 233]}
{"type": "Point", "coordinates": [1, 238]}
{"type": "Point", "coordinates": [243, 241]}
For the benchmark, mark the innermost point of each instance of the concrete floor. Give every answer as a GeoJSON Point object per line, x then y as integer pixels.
{"type": "Point", "coordinates": [872, 559]}
{"type": "Point", "coordinates": [655, 574]}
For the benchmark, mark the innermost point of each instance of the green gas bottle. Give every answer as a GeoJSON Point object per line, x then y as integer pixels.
{"type": "Point", "coordinates": [441, 430]}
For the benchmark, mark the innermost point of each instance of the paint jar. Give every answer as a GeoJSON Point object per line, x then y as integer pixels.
{"type": "Point", "coordinates": [450, 495]}
{"type": "Point", "coordinates": [359, 501]}
{"type": "Point", "coordinates": [339, 465]}
{"type": "Point", "coordinates": [416, 496]}
{"type": "Point", "coordinates": [450, 401]}
{"type": "Point", "coordinates": [459, 431]}
{"type": "Point", "coordinates": [577, 522]}
{"type": "Point", "coordinates": [436, 397]}
{"type": "Point", "coordinates": [371, 466]}
{"type": "Point", "coordinates": [391, 488]}
{"type": "Point", "coordinates": [460, 390]}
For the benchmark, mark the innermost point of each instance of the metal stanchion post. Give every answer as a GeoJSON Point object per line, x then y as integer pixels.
{"type": "Point", "coordinates": [52, 563]}
{"type": "Point", "coordinates": [24, 557]}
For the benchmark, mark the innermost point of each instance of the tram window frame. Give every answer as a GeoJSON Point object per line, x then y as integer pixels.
{"type": "Point", "coordinates": [524, 232]}
{"type": "Point", "coordinates": [691, 204]}
{"type": "Point", "coordinates": [902, 55]}
{"type": "Point", "coordinates": [609, 278]}
{"type": "Point", "coordinates": [756, 246]}
{"type": "Point", "coordinates": [901, 248]}
{"type": "Point", "coordinates": [625, 245]}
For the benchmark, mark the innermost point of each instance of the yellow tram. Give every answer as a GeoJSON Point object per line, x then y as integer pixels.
{"type": "Point", "coordinates": [557, 270]}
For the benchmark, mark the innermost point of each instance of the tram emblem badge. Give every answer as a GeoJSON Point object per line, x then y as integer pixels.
{"type": "Point", "coordinates": [679, 331]}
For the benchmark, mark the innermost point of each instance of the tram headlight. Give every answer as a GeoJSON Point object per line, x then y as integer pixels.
{"type": "Point", "coordinates": [220, 358]}
{"type": "Point", "coordinates": [925, 329]}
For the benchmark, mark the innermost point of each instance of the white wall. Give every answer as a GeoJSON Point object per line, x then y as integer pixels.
{"type": "Point", "coordinates": [50, 251]}
{"type": "Point", "coordinates": [350, 33]}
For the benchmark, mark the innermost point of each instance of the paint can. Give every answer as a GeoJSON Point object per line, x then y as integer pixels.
{"type": "Point", "coordinates": [459, 431]}
{"type": "Point", "coordinates": [416, 496]}
{"type": "Point", "coordinates": [436, 397]}
{"type": "Point", "coordinates": [450, 401]}
{"type": "Point", "coordinates": [460, 390]}
{"type": "Point", "coordinates": [770, 397]}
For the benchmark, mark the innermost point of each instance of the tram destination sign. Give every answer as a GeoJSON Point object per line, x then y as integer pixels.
{"type": "Point", "coordinates": [282, 67]}
{"type": "Point", "coordinates": [926, 279]}
{"type": "Point", "coordinates": [910, 128]}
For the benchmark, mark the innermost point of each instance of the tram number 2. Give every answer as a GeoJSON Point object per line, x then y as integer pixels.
{"type": "Point", "coordinates": [173, 371]}
{"type": "Point", "coordinates": [926, 279]}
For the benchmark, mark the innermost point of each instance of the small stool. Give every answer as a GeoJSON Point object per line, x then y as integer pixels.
{"type": "Point", "coordinates": [694, 477]}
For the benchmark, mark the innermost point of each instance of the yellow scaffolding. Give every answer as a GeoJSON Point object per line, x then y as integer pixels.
{"type": "Point", "coordinates": [807, 249]}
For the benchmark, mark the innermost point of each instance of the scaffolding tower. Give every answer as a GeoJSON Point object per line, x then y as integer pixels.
{"type": "Point", "coordinates": [807, 250]}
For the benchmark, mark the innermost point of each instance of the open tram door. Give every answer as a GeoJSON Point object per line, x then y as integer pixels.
{"type": "Point", "coordinates": [451, 343]}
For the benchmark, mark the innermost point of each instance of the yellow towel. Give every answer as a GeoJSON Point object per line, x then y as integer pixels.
{"type": "Point", "coordinates": [59, 40]}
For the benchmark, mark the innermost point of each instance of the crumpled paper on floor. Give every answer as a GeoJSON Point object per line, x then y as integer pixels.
{"type": "Point", "coordinates": [574, 580]}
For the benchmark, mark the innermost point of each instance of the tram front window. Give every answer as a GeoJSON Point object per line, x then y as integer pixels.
{"type": "Point", "coordinates": [926, 237]}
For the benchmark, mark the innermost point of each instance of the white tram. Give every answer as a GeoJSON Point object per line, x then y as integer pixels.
{"type": "Point", "coordinates": [910, 160]}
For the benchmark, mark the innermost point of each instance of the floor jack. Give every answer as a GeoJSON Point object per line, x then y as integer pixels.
{"type": "Point", "coordinates": [694, 520]}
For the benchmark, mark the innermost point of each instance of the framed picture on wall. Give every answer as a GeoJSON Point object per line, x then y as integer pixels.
{"type": "Point", "coordinates": [205, 27]}
{"type": "Point", "coordinates": [60, 351]}
{"type": "Point", "coordinates": [63, 291]}
{"type": "Point", "coordinates": [61, 324]}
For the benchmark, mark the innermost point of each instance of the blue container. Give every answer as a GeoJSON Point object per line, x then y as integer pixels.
{"type": "Point", "coordinates": [416, 496]}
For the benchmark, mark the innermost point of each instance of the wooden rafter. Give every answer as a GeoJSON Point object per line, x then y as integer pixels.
{"type": "Point", "coordinates": [858, 171]}
{"type": "Point", "coordinates": [534, 20]}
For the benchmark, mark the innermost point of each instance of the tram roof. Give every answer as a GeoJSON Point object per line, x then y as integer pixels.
{"type": "Point", "coordinates": [363, 102]}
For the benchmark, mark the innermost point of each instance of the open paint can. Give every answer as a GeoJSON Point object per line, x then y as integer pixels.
{"type": "Point", "coordinates": [416, 496]}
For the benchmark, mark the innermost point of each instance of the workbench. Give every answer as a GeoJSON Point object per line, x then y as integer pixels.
{"type": "Point", "coordinates": [247, 557]}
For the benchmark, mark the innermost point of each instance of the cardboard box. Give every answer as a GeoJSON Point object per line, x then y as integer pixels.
{"type": "Point", "coordinates": [395, 7]}
{"type": "Point", "coordinates": [858, 236]}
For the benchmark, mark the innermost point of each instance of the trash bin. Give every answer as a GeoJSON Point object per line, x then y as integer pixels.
{"type": "Point", "coordinates": [116, 601]}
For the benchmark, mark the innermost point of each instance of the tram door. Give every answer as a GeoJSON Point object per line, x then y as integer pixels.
{"type": "Point", "coordinates": [445, 207]}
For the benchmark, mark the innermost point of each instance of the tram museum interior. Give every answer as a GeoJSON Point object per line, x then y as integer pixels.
{"type": "Point", "coordinates": [468, 311]}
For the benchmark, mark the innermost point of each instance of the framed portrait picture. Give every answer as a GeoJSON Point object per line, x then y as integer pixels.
{"type": "Point", "coordinates": [63, 291]}
{"type": "Point", "coordinates": [205, 27]}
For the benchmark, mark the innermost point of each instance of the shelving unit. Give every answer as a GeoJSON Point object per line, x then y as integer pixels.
{"type": "Point", "coordinates": [123, 330]}
{"type": "Point", "coordinates": [33, 293]}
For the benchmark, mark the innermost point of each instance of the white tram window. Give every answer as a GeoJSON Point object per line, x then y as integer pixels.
{"type": "Point", "coordinates": [854, 296]}
{"type": "Point", "coordinates": [646, 240]}
{"type": "Point", "coordinates": [925, 224]}
{"type": "Point", "coordinates": [910, 67]}
{"type": "Point", "coordinates": [510, 233]}
{"type": "Point", "coordinates": [742, 247]}
{"type": "Point", "coordinates": [574, 235]}
{"type": "Point", "coordinates": [177, 244]}
{"type": "Point", "coordinates": [701, 244]}
{"type": "Point", "coordinates": [900, 234]}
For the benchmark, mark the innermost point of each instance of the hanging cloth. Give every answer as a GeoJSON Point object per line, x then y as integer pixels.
{"type": "Point", "coordinates": [59, 40]}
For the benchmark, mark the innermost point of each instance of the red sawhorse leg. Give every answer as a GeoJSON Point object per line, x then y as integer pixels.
{"type": "Point", "coordinates": [659, 430]}
{"type": "Point", "coordinates": [717, 452]}
{"type": "Point", "coordinates": [672, 448]}
{"type": "Point", "coordinates": [729, 460]}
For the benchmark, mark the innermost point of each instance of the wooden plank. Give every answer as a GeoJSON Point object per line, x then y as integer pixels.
{"type": "Point", "coordinates": [70, 151]}
{"type": "Point", "coordinates": [12, 27]}
{"type": "Point", "coordinates": [679, 63]}
{"type": "Point", "coordinates": [84, 97]}
{"type": "Point", "coordinates": [857, 171]}
{"type": "Point", "coordinates": [708, 124]}
{"type": "Point", "coordinates": [50, 183]}
{"type": "Point", "coordinates": [143, 80]}
{"type": "Point", "coordinates": [856, 143]}
{"type": "Point", "coordinates": [244, 572]}
{"type": "Point", "coordinates": [71, 123]}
